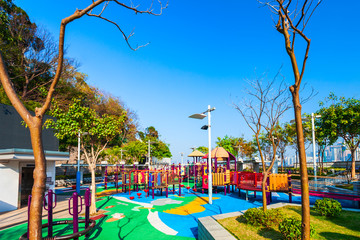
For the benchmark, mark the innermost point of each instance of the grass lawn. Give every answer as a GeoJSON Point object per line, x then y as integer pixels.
{"type": "Point", "coordinates": [346, 186]}
{"type": "Point", "coordinates": [345, 226]}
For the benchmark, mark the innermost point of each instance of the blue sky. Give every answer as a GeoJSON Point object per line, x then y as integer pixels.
{"type": "Point", "coordinates": [200, 53]}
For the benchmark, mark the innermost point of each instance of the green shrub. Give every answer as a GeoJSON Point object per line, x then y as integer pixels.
{"type": "Point", "coordinates": [257, 217]}
{"type": "Point", "coordinates": [328, 207]}
{"type": "Point", "coordinates": [254, 216]}
{"type": "Point", "coordinates": [59, 177]}
{"type": "Point", "coordinates": [290, 228]}
{"type": "Point", "coordinates": [273, 217]}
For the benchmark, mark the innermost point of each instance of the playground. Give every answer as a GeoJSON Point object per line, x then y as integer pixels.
{"type": "Point", "coordinates": [162, 203]}
{"type": "Point", "coordinates": [136, 216]}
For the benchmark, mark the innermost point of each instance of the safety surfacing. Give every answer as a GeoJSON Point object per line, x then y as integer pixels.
{"type": "Point", "coordinates": [137, 216]}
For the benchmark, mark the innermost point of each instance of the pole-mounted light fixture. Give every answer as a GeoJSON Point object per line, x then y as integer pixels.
{"type": "Point", "coordinates": [312, 119]}
{"type": "Point", "coordinates": [207, 127]}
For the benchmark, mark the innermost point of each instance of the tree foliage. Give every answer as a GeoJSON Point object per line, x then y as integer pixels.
{"type": "Point", "coordinates": [95, 132]}
{"type": "Point", "coordinates": [203, 149]}
{"type": "Point", "coordinates": [340, 119]}
{"type": "Point", "coordinates": [284, 140]}
{"type": "Point", "coordinates": [237, 146]}
{"type": "Point", "coordinates": [30, 54]}
{"type": "Point", "coordinates": [158, 148]}
{"type": "Point", "coordinates": [229, 144]}
{"type": "Point", "coordinates": [134, 151]}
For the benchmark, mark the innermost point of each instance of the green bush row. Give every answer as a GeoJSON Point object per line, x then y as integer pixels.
{"type": "Point", "coordinates": [268, 219]}
{"type": "Point", "coordinates": [87, 175]}
{"type": "Point", "coordinates": [290, 227]}
{"type": "Point", "coordinates": [328, 207]}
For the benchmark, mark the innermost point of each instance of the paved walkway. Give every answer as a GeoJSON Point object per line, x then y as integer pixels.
{"type": "Point", "coordinates": [19, 216]}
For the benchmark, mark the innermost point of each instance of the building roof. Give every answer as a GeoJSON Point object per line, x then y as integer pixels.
{"type": "Point", "coordinates": [196, 153]}
{"type": "Point", "coordinates": [18, 154]}
{"type": "Point", "coordinates": [220, 154]}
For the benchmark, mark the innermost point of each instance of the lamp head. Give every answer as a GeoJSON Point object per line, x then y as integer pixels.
{"type": "Point", "coordinates": [205, 127]}
{"type": "Point", "coordinates": [198, 116]}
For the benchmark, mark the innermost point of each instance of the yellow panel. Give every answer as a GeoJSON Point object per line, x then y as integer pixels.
{"type": "Point", "coordinates": [227, 176]}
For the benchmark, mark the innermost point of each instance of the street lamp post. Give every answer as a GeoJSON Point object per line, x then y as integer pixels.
{"type": "Point", "coordinates": [182, 158]}
{"type": "Point", "coordinates": [313, 140]}
{"type": "Point", "coordinates": [313, 116]}
{"type": "Point", "coordinates": [148, 161]}
{"type": "Point", "coordinates": [208, 127]}
{"type": "Point", "coordinates": [121, 154]}
{"type": "Point", "coordinates": [149, 149]}
{"type": "Point", "coordinates": [78, 173]}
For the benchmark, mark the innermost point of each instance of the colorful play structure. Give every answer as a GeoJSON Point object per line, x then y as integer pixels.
{"type": "Point", "coordinates": [75, 208]}
{"type": "Point", "coordinates": [225, 176]}
{"type": "Point", "coordinates": [194, 177]}
{"type": "Point", "coordinates": [251, 181]}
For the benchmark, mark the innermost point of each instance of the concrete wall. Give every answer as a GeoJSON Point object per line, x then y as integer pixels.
{"type": "Point", "coordinates": [9, 185]}
{"type": "Point", "coordinates": [50, 174]}
{"type": "Point", "coordinates": [15, 135]}
{"type": "Point", "coordinates": [210, 229]}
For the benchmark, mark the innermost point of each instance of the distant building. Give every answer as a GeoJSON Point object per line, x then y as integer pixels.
{"type": "Point", "coordinates": [17, 160]}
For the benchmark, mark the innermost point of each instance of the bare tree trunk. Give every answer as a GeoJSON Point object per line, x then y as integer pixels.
{"type": "Point", "coordinates": [319, 159]}
{"type": "Point", "coordinates": [353, 174]}
{"type": "Point", "coordinates": [263, 190]}
{"type": "Point", "coordinates": [35, 126]}
{"type": "Point", "coordinates": [93, 190]}
{"type": "Point", "coordinates": [305, 202]}
{"type": "Point", "coordinates": [38, 188]}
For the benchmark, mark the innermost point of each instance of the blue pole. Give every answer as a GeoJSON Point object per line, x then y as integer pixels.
{"type": "Point", "coordinates": [78, 177]}
{"type": "Point", "coordinates": [78, 174]}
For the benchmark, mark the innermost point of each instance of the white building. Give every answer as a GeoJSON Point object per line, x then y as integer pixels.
{"type": "Point", "coordinates": [16, 175]}
{"type": "Point", "coordinates": [17, 160]}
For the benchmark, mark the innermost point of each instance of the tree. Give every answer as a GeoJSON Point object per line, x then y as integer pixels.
{"type": "Point", "coordinates": [263, 110]}
{"type": "Point", "coordinates": [112, 155]}
{"type": "Point", "coordinates": [134, 151]}
{"type": "Point", "coordinates": [150, 133]}
{"type": "Point", "coordinates": [230, 144]}
{"type": "Point", "coordinates": [290, 133]}
{"type": "Point", "coordinates": [323, 135]}
{"type": "Point", "coordinates": [95, 132]}
{"type": "Point", "coordinates": [30, 54]}
{"type": "Point", "coordinates": [341, 119]}
{"type": "Point", "coordinates": [284, 140]}
{"type": "Point", "coordinates": [237, 146]}
{"type": "Point", "coordinates": [105, 103]}
{"type": "Point", "coordinates": [265, 145]}
{"type": "Point", "coordinates": [35, 122]}
{"type": "Point", "coordinates": [292, 19]}
{"type": "Point", "coordinates": [246, 149]}
{"type": "Point", "coordinates": [203, 149]}
{"type": "Point", "coordinates": [160, 150]}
